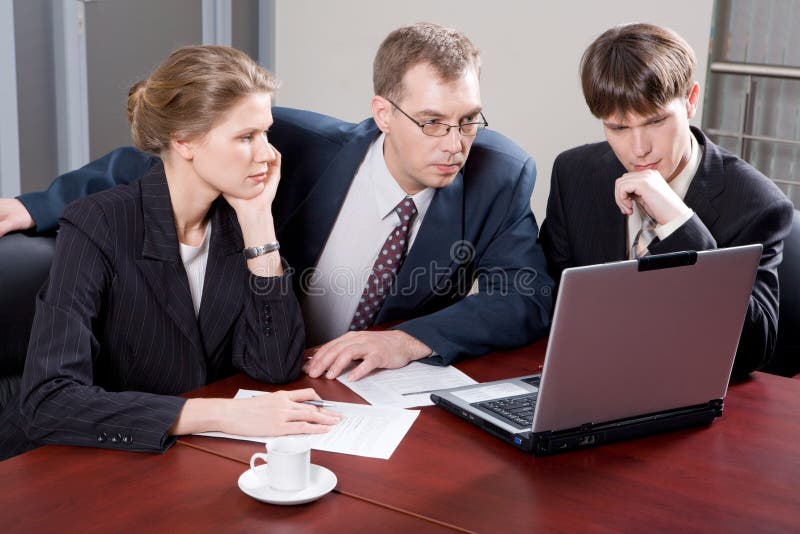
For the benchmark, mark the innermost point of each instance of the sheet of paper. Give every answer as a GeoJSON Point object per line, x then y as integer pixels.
{"type": "Point", "coordinates": [495, 391]}
{"type": "Point", "coordinates": [371, 431]}
{"type": "Point", "coordinates": [408, 386]}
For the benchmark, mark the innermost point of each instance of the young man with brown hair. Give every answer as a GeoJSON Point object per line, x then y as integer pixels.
{"type": "Point", "coordinates": [658, 185]}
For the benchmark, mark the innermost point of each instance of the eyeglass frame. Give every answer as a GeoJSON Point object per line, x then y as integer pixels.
{"type": "Point", "coordinates": [482, 124]}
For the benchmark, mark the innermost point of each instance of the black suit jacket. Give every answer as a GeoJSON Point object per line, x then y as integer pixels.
{"type": "Point", "coordinates": [734, 204]}
{"type": "Point", "coordinates": [480, 227]}
{"type": "Point", "coordinates": [115, 335]}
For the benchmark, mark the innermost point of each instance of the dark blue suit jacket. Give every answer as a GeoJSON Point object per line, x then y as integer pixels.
{"type": "Point", "coordinates": [115, 336]}
{"type": "Point", "coordinates": [734, 204]}
{"type": "Point", "coordinates": [479, 227]}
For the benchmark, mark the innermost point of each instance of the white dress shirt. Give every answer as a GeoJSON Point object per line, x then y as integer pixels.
{"type": "Point", "coordinates": [364, 222]}
{"type": "Point", "coordinates": [680, 184]}
{"type": "Point", "coordinates": [195, 260]}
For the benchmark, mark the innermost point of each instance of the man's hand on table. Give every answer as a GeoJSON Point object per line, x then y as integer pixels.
{"type": "Point", "coordinates": [390, 349]}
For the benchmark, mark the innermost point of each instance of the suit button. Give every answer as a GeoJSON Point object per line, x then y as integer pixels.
{"type": "Point", "coordinates": [102, 437]}
{"type": "Point", "coordinates": [116, 438]}
{"type": "Point", "coordinates": [127, 438]}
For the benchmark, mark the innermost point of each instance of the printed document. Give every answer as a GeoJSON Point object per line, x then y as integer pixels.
{"type": "Point", "coordinates": [371, 431]}
{"type": "Point", "coordinates": [408, 386]}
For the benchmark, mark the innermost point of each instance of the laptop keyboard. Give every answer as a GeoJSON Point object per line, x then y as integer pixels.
{"type": "Point", "coordinates": [516, 411]}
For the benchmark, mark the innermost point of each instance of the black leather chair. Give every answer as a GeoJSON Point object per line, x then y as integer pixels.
{"type": "Point", "coordinates": [785, 360]}
{"type": "Point", "coordinates": [24, 264]}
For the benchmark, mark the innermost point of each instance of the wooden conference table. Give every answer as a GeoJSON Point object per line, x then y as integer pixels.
{"type": "Point", "coordinates": [72, 489]}
{"type": "Point", "coordinates": [740, 474]}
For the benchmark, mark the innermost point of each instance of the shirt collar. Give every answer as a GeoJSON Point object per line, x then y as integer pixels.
{"type": "Point", "coordinates": [388, 192]}
{"type": "Point", "coordinates": [680, 184]}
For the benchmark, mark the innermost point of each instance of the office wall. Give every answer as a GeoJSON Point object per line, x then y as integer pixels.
{"type": "Point", "coordinates": [244, 26]}
{"type": "Point", "coordinates": [124, 42]}
{"type": "Point", "coordinates": [530, 86]}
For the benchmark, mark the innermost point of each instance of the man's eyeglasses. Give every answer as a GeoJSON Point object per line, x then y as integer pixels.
{"type": "Point", "coordinates": [440, 129]}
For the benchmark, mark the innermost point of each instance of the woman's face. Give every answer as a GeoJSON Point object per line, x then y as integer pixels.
{"type": "Point", "coordinates": [234, 156]}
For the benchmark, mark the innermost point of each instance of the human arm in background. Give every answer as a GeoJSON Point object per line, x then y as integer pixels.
{"type": "Point", "coordinates": [42, 209]}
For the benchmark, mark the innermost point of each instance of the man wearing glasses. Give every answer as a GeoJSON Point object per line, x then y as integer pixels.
{"type": "Point", "coordinates": [387, 220]}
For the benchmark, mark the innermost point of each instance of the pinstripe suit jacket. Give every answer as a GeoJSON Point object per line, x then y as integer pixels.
{"type": "Point", "coordinates": [734, 204]}
{"type": "Point", "coordinates": [115, 335]}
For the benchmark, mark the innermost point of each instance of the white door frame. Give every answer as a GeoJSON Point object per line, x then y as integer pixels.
{"type": "Point", "coordinates": [9, 126]}
{"type": "Point", "coordinates": [217, 22]}
{"type": "Point", "coordinates": [72, 95]}
{"type": "Point", "coordinates": [266, 34]}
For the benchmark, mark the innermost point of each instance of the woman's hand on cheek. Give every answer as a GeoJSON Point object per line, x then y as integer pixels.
{"type": "Point", "coordinates": [261, 202]}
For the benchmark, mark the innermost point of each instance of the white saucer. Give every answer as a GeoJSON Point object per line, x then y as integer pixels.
{"type": "Point", "coordinates": [322, 481]}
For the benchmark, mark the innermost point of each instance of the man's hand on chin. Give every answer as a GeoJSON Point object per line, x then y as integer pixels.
{"type": "Point", "coordinates": [653, 194]}
{"type": "Point", "coordinates": [389, 349]}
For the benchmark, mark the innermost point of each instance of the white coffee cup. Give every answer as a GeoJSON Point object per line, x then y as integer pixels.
{"type": "Point", "coordinates": [288, 460]}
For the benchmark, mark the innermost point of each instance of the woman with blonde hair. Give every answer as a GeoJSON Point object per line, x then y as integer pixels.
{"type": "Point", "coordinates": [175, 280]}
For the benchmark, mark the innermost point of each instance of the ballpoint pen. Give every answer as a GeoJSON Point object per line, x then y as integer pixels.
{"type": "Point", "coordinates": [318, 403]}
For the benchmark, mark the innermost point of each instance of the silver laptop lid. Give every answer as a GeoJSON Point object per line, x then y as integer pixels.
{"type": "Point", "coordinates": [626, 343]}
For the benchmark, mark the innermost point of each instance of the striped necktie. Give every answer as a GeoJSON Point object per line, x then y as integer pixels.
{"type": "Point", "coordinates": [644, 237]}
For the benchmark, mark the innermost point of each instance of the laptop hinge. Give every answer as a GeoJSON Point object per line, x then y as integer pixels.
{"type": "Point", "coordinates": [717, 405]}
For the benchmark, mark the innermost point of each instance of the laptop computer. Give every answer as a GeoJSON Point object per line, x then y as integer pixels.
{"type": "Point", "coordinates": [636, 347]}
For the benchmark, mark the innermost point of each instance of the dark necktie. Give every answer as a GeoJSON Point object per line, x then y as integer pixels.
{"type": "Point", "coordinates": [384, 270]}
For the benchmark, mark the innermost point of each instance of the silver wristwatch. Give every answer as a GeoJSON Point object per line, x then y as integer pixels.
{"type": "Point", "coordinates": [254, 252]}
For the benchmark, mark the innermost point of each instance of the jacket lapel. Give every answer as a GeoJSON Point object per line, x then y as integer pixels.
{"type": "Point", "coordinates": [434, 254]}
{"type": "Point", "coordinates": [609, 237]}
{"type": "Point", "coordinates": [303, 233]}
{"type": "Point", "coordinates": [707, 182]}
{"type": "Point", "coordinates": [226, 277]}
{"type": "Point", "coordinates": [160, 262]}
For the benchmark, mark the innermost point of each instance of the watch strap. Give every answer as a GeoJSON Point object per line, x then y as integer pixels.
{"type": "Point", "coordinates": [254, 252]}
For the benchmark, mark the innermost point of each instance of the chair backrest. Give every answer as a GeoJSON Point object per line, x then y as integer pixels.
{"type": "Point", "coordinates": [786, 358]}
{"type": "Point", "coordinates": [24, 264]}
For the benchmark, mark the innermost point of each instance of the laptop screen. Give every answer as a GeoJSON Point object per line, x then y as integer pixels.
{"type": "Point", "coordinates": [627, 341]}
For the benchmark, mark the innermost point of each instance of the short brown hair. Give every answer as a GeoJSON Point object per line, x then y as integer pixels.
{"type": "Point", "coordinates": [189, 92]}
{"type": "Point", "coordinates": [638, 68]}
{"type": "Point", "coordinates": [448, 51]}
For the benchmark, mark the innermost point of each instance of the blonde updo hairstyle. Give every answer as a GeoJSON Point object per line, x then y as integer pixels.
{"type": "Point", "coordinates": [189, 92]}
